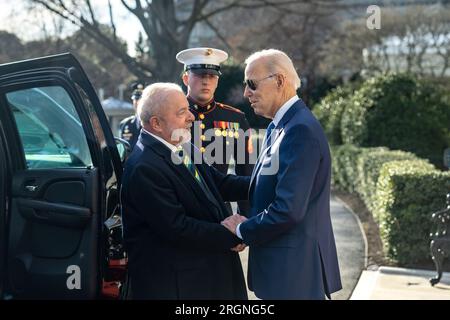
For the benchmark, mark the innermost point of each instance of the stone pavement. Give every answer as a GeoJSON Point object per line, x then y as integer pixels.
{"type": "Point", "coordinates": [351, 247]}
{"type": "Point", "coordinates": [389, 283]}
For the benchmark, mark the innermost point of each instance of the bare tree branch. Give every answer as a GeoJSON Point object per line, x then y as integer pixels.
{"type": "Point", "coordinates": [91, 12]}
{"type": "Point", "coordinates": [111, 18]}
{"type": "Point", "coordinates": [216, 31]}
{"type": "Point", "coordinates": [165, 33]}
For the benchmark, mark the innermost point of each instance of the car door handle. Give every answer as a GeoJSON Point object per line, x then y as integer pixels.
{"type": "Point", "coordinates": [31, 188]}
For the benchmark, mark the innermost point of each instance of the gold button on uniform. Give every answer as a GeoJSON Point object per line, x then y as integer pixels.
{"type": "Point", "coordinates": [202, 149]}
{"type": "Point", "coordinates": [203, 137]}
{"type": "Point", "coordinates": [201, 116]}
{"type": "Point", "coordinates": [202, 126]}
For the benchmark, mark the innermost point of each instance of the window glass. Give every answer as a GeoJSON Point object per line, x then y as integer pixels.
{"type": "Point", "coordinates": [49, 127]}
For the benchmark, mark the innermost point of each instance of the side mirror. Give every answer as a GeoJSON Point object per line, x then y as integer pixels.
{"type": "Point", "coordinates": [123, 147]}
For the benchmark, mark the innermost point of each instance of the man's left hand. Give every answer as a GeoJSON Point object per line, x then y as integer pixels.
{"type": "Point", "coordinates": [232, 222]}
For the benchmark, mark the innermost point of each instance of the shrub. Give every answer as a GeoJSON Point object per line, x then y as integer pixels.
{"type": "Point", "coordinates": [368, 167]}
{"type": "Point", "coordinates": [329, 112]}
{"type": "Point", "coordinates": [399, 112]}
{"type": "Point", "coordinates": [344, 174]}
{"type": "Point", "coordinates": [408, 192]}
{"type": "Point", "coordinates": [399, 189]}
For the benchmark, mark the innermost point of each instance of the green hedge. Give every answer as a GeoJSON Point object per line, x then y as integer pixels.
{"type": "Point", "coordinates": [344, 173]}
{"type": "Point", "coordinates": [399, 112]}
{"type": "Point", "coordinates": [408, 192]}
{"type": "Point", "coordinates": [356, 170]}
{"type": "Point", "coordinates": [329, 112]}
{"type": "Point", "coordinates": [399, 189]}
{"type": "Point", "coordinates": [368, 167]}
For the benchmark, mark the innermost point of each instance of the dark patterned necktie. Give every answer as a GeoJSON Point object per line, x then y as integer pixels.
{"type": "Point", "coordinates": [193, 170]}
{"type": "Point", "coordinates": [269, 132]}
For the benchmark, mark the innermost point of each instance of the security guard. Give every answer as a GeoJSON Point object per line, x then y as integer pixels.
{"type": "Point", "coordinates": [215, 120]}
{"type": "Point", "coordinates": [131, 127]}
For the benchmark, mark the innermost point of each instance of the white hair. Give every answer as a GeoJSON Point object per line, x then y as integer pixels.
{"type": "Point", "coordinates": [276, 61]}
{"type": "Point", "coordinates": [154, 97]}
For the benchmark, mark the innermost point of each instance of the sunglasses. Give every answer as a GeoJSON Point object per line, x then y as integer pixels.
{"type": "Point", "coordinates": [253, 84]}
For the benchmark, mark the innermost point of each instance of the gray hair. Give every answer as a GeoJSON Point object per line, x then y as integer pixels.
{"type": "Point", "coordinates": [154, 97]}
{"type": "Point", "coordinates": [276, 61]}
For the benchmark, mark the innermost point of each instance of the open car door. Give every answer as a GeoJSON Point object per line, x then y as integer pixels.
{"type": "Point", "coordinates": [59, 224]}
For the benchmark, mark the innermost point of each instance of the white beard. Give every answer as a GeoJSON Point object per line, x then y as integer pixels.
{"type": "Point", "coordinates": [181, 135]}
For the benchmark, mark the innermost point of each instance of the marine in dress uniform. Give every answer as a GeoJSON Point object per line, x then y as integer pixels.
{"type": "Point", "coordinates": [215, 120]}
{"type": "Point", "coordinates": [131, 127]}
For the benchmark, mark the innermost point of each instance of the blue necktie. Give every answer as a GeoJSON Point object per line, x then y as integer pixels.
{"type": "Point", "coordinates": [268, 137]}
{"type": "Point", "coordinates": [266, 147]}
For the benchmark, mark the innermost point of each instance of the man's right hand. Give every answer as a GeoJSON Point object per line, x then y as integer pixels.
{"type": "Point", "coordinates": [240, 247]}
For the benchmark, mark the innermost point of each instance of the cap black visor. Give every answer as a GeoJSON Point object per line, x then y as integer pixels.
{"type": "Point", "coordinates": [204, 69]}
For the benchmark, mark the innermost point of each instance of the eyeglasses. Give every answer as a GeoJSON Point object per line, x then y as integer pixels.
{"type": "Point", "coordinates": [252, 84]}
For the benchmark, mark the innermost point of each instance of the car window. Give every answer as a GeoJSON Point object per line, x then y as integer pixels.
{"type": "Point", "coordinates": [49, 127]}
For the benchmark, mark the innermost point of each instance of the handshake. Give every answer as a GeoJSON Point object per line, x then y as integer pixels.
{"type": "Point", "coordinates": [231, 224]}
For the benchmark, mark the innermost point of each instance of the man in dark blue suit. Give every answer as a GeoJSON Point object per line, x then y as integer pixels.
{"type": "Point", "coordinates": [288, 230]}
{"type": "Point", "coordinates": [172, 209]}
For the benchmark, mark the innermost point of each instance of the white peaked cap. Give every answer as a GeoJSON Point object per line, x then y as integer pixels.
{"type": "Point", "coordinates": [202, 59]}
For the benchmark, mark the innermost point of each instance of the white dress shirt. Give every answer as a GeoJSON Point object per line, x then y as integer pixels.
{"type": "Point", "coordinates": [167, 144]}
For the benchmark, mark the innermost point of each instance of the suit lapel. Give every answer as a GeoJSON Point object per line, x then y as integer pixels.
{"type": "Point", "coordinates": [213, 195]}
{"type": "Point", "coordinates": [180, 169]}
{"type": "Point", "coordinates": [277, 133]}
{"type": "Point", "coordinates": [211, 192]}
{"type": "Point", "coordinates": [279, 129]}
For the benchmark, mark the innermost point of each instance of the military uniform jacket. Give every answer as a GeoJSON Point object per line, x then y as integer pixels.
{"type": "Point", "coordinates": [220, 121]}
{"type": "Point", "coordinates": [129, 129]}
{"type": "Point", "coordinates": [177, 247]}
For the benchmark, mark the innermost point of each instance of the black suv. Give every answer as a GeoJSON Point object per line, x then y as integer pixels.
{"type": "Point", "coordinates": [60, 168]}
